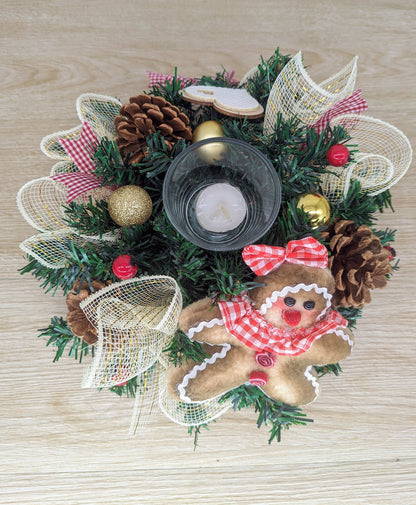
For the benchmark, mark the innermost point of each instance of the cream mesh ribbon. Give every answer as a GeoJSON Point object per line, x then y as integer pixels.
{"type": "Point", "coordinates": [52, 249]}
{"type": "Point", "coordinates": [384, 155]}
{"type": "Point", "coordinates": [294, 93]}
{"type": "Point", "coordinates": [41, 201]}
{"type": "Point", "coordinates": [98, 110]}
{"type": "Point", "coordinates": [135, 320]}
{"type": "Point", "coordinates": [152, 393]}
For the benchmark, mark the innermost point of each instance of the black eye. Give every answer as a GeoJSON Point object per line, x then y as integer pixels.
{"type": "Point", "coordinates": [289, 301]}
{"type": "Point", "coordinates": [309, 305]}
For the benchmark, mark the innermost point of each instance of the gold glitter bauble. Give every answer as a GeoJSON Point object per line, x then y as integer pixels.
{"type": "Point", "coordinates": [130, 205]}
{"type": "Point", "coordinates": [211, 152]}
{"type": "Point", "coordinates": [317, 207]}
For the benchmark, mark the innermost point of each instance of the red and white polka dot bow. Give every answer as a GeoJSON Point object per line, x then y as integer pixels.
{"type": "Point", "coordinates": [263, 259]}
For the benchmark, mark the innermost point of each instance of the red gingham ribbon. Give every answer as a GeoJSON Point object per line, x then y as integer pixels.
{"type": "Point", "coordinates": [84, 180]}
{"type": "Point", "coordinates": [263, 259]}
{"type": "Point", "coordinates": [156, 78]}
{"type": "Point", "coordinates": [77, 149]}
{"type": "Point", "coordinates": [353, 104]}
{"type": "Point", "coordinates": [249, 326]}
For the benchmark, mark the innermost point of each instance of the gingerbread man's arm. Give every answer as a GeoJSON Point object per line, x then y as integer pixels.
{"type": "Point", "coordinates": [203, 311]}
{"type": "Point", "coordinates": [330, 348]}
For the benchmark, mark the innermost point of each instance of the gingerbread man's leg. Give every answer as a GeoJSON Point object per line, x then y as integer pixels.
{"type": "Point", "coordinates": [291, 383]}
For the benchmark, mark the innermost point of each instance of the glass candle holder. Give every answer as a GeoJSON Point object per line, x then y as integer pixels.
{"type": "Point", "coordinates": [221, 194]}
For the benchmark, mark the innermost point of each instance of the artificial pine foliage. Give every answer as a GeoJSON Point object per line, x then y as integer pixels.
{"type": "Point", "coordinates": [270, 412]}
{"type": "Point", "coordinates": [297, 153]}
{"type": "Point", "coordinates": [60, 336]}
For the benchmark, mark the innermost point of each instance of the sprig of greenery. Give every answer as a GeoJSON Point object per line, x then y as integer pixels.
{"type": "Point", "coordinates": [220, 79]}
{"type": "Point", "coordinates": [386, 236]}
{"type": "Point", "coordinates": [60, 336]}
{"type": "Point", "coordinates": [128, 389]}
{"type": "Point", "coordinates": [333, 368]}
{"type": "Point", "coordinates": [182, 349]}
{"type": "Point", "coordinates": [351, 314]}
{"type": "Point", "coordinates": [170, 91]}
{"type": "Point", "coordinates": [260, 83]}
{"type": "Point", "coordinates": [196, 431]}
{"type": "Point", "coordinates": [270, 412]}
{"type": "Point", "coordinates": [84, 263]}
{"type": "Point", "coordinates": [357, 206]}
{"type": "Point", "coordinates": [91, 218]}
{"type": "Point", "coordinates": [109, 166]}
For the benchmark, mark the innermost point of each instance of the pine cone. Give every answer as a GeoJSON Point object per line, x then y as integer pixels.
{"type": "Point", "coordinates": [145, 115]}
{"type": "Point", "coordinates": [358, 262]}
{"type": "Point", "coordinates": [76, 319]}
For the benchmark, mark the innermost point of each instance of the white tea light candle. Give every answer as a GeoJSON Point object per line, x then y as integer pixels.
{"type": "Point", "coordinates": [220, 207]}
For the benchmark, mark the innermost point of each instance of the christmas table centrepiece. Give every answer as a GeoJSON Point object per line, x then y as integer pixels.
{"type": "Point", "coordinates": [215, 240]}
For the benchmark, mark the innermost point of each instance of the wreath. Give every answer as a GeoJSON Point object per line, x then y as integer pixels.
{"type": "Point", "coordinates": [155, 205]}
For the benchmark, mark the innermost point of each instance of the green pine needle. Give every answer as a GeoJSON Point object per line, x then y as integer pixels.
{"type": "Point", "coordinates": [260, 83]}
{"type": "Point", "coordinates": [129, 389]}
{"type": "Point", "coordinates": [91, 218]}
{"type": "Point", "coordinates": [270, 412]}
{"type": "Point", "coordinates": [181, 349]}
{"type": "Point", "coordinates": [60, 336]}
{"type": "Point", "coordinates": [110, 167]}
{"type": "Point", "coordinates": [333, 368]}
{"type": "Point", "coordinates": [170, 91]}
{"type": "Point", "coordinates": [359, 207]}
{"type": "Point", "coordinates": [196, 431]}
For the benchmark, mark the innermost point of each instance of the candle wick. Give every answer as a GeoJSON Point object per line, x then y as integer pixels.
{"type": "Point", "coordinates": [224, 211]}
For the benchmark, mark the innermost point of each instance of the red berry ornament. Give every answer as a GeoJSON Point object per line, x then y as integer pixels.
{"type": "Point", "coordinates": [338, 155]}
{"type": "Point", "coordinates": [391, 251]}
{"type": "Point", "coordinates": [124, 267]}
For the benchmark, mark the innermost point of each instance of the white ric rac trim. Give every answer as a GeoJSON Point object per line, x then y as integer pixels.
{"type": "Point", "coordinates": [295, 289]}
{"type": "Point", "coordinates": [344, 336]}
{"type": "Point", "coordinates": [202, 325]}
{"type": "Point", "coordinates": [198, 368]}
{"type": "Point", "coordinates": [312, 379]}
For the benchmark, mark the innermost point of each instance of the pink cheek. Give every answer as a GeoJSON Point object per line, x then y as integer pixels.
{"type": "Point", "coordinates": [280, 305]}
{"type": "Point", "coordinates": [310, 316]}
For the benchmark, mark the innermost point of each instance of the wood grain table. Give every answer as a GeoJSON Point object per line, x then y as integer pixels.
{"type": "Point", "coordinates": [61, 444]}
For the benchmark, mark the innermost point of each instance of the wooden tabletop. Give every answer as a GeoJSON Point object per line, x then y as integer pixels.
{"type": "Point", "coordinates": [61, 444]}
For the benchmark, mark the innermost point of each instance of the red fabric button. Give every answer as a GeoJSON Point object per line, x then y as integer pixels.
{"type": "Point", "coordinates": [265, 359]}
{"type": "Point", "coordinates": [258, 378]}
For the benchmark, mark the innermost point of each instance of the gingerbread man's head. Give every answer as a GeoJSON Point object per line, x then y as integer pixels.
{"type": "Point", "coordinates": [294, 296]}
{"type": "Point", "coordinates": [296, 285]}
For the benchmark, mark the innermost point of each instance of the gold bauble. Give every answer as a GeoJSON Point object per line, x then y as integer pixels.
{"type": "Point", "coordinates": [317, 207]}
{"type": "Point", "coordinates": [211, 152]}
{"type": "Point", "coordinates": [130, 205]}
{"type": "Point", "coordinates": [207, 130]}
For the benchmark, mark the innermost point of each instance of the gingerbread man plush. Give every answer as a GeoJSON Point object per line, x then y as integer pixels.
{"type": "Point", "coordinates": [271, 339]}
